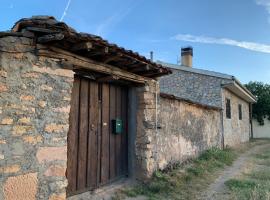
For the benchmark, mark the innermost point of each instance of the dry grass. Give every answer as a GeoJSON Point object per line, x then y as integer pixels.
{"type": "Point", "coordinates": [254, 185]}
{"type": "Point", "coordinates": [184, 182]}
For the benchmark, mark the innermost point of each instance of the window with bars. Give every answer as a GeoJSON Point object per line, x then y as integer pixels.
{"type": "Point", "coordinates": [228, 108]}
{"type": "Point", "coordinates": [240, 111]}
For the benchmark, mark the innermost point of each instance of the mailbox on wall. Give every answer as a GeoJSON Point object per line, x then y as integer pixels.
{"type": "Point", "coordinates": [117, 126]}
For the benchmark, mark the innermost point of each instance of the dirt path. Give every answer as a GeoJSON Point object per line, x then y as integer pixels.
{"type": "Point", "coordinates": [217, 190]}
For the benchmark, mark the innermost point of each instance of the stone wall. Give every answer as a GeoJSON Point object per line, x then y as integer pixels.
{"type": "Point", "coordinates": [235, 130]}
{"type": "Point", "coordinates": [35, 95]}
{"type": "Point", "coordinates": [170, 131]}
{"type": "Point", "coordinates": [146, 126]}
{"type": "Point", "coordinates": [201, 88]}
{"type": "Point", "coordinates": [185, 131]}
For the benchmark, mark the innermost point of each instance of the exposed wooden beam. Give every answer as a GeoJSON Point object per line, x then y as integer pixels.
{"type": "Point", "coordinates": [85, 63]}
{"type": "Point", "coordinates": [50, 37]}
{"type": "Point", "coordinates": [41, 30]}
{"type": "Point", "coordinates": [82, 46]}
{"type": "Point", "coordinates": [107, 78]}
{"type": "Point", "coordinates": [140, 69]}
{"type": "Point", "coordinates": [111, 58]}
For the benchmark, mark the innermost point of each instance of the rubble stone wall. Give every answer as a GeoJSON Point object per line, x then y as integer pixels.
{"type": "Point", "coordinates": [186, 130]}
{"type": "Point", "coordinates": [35, 95]}
{"type": "Point", "coordinates": [170, 131]}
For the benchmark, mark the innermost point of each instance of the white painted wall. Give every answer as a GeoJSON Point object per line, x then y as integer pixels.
{"type": "Point", "coordinates": [261, 131]}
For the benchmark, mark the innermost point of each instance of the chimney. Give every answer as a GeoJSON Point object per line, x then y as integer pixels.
{"type": "Point", "coordinates": [186, 56]}
{"type": "Point", "coordinates": [151, 55]}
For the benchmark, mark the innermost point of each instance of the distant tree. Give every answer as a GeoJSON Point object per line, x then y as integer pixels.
{"type": "Point", "coordinates": [261, 109]}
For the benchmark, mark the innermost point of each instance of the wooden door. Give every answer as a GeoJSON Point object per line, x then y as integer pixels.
{"type": "Point", "coordinates": [96, 156]}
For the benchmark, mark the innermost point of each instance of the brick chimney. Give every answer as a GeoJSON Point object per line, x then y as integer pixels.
{"type": "Point", "coordinates": [186, 56]}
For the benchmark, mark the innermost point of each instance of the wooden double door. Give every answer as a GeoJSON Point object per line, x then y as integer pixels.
{"type": "Point", "coordinates": [96, 156]}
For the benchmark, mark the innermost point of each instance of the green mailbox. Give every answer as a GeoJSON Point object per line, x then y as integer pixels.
{"type": "Point", "coordinates": [117, 126]}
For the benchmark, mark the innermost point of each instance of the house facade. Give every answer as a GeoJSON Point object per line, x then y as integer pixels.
{"type": "Point", "coordinates": [78, 113]}
{"type": "Point", "coordinates": [212, 89]}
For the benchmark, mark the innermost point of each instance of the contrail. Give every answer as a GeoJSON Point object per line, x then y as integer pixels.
{"type": "Point", "coordinates": [65, 11]}
{"type": "Point", "coordinates": [264, 48]}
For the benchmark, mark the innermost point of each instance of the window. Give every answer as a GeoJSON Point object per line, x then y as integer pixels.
{"type": "Point", "coordinates": [228, 108]}
{"type": "Point", "coordinates": [240, 111]}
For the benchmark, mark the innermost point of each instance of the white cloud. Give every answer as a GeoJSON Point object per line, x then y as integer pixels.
{"type": "Point", "coordinates": [114, 19]}
{"type": "Point", "coordinates": [265, 4]}
{"type": "Point", "coordinates": [65, 11]}
{"type": "Point", "coordinates": [264, 48]}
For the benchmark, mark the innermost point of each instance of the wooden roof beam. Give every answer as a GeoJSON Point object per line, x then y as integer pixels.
{"type": "Point", "coordinates": [50, 38]}
{"type": "Point", "coordinates": [80, 62]}
{"type": "Point", "coordinates": [107, 78]}
{"type": "Point", "coordinates": [87, 46]}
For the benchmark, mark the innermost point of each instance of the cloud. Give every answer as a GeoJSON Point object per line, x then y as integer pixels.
{"type": "Point", "coordinates": [65, 11]}
{"type": "Point", "coordinates": [266, 5]}
{"type": "Point", "coordinates": [114, 19]}
{"type": "Point", "coordinates": [264, 48]}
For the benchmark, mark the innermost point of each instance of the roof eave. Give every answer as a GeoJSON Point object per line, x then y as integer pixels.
{"type": "Point", "coordinates": [239, 90]}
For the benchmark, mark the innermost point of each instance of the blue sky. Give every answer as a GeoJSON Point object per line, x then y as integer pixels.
{"type": "Point", "coordinates": [229, 36]}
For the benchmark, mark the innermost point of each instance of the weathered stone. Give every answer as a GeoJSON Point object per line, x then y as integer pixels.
{"type": "Point", "coordinates": [21, 129]}
{"type": "Point", "coordinates": [46, 88]}
{"type": "Point", "coordinates": [21, 187]}
{"type": "Point", "coordinates": [42, 104]}
{"type": "Point", "coordinates": [61, 196]}
{"type": "Point", "coordinates": [62, 109]}
{"type": "Point", "coordinates": [27, 98]}
{"type": "Point", "coordinates": [17, 148]}
{"type": "Point", "coordinates": [30, 75]}
{"type": "Point", "coordinates": [10, 169]}
{"type": "Point", "coordinates": [57, 72]}
{"type": "Point", "coordinates": [55, 170]}
{"type": "Point", "coordinates": [3, 88]}
{"type": "Point", "coordinates": [66, 98]}
{"type": "Point", "coordinates": [7, 121]}
{"type": "Point", "coordinates": [25, 120]}
{"type": "Point", "coordinates": [3, 142]}
{"type": "Point", "coordinates": [2, 157]}
{"type": "Point", "coordinates": [46, 154]}
{"type": "Point", "coordinates": [58, 185]}
{"type": "Point", "coordinates": [3, 73]}
{"type": "Point", "coordinates": [57, 128]}
{"type": "Point", "coordinates": [33, 139]}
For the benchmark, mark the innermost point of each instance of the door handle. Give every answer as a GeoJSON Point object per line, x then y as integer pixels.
{"type": "Point", "coordinates": [92, 127]}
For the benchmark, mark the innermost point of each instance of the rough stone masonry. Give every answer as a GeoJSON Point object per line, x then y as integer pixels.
{"type": "Point", "coordinates": [35, 95]}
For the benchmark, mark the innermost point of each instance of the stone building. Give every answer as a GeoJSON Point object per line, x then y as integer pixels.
{"type": "Point", "coordinates": [212, 89]}
{"type": "Point", "coordinates": [78, 113]}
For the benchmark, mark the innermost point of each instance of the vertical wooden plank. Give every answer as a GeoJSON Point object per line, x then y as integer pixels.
{"type": "Point", "coordinates": [105, 135]}
{"type": "Point", "coordinates": [92, 173]}
{"type": "Point", "coordinates": [124, 137]}
{"type": "Point", "coordinates": [72, 138]}
{"type": "Point", "coordinates": [118, 136]}
{"type": "Point", "coordinates": [112, 136]}
{"type": "Point", "coordinates": [99, 134]}
{"type": "Point", "coordinates": [83, 132]}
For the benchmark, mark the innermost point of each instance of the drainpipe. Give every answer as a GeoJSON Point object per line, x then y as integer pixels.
{"type": "Point", "coordinates": [156, 122]}
{"type": "Point", "coordinates": [250, 119]}
{"type": "Point", "coordinates": [222, 118]}
{"type": "Point", "coordinates": [222, 130]}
